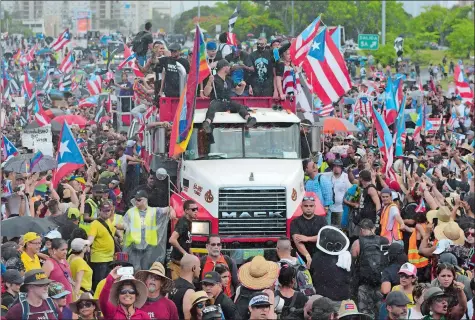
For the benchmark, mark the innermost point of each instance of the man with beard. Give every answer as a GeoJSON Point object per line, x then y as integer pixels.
{"type": "Point", "coordinates": [156, 189]}
{"type": "Point", "coordinates": [184, 288]}
{"type": "Point", "coordinates": [304, 229]}
{"type": "Point", "coordinates": [100, 192]}
{"type": "Point", "coordinates": [35, 304]}
{"type": "Point", "coordinates": [158, 306]}
{"type": "Point", "coordinates": [171, 76]}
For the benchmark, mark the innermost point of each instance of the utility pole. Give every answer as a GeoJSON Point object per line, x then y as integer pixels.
{"type": "Point", "coordinates": [293, 26]}
{"type": "Point", "coordinates": [383, 28]}
{"type": "Point", "coordinates": [199, 11]}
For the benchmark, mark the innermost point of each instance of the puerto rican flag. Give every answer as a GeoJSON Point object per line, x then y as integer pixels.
{"type": "Point", "coordinates": [301, 45]}
{"type": "Point", "coordinates": [66, 65]}
{"type": "Point", "coordinates": [9, 150]}
{"type": "Point", "coordinates": [231, 39]}
{"type": "Point", "coordinates": [41, 116]}
{"type": "Point", "coordinates": [290, 81]}
{"type": "Point", "coordinates": [433, 124]}
{"type": "Point", "coordinates": [129, 60]}
{"type": "Point", "coordinates": [27, 85]}
{"type": "Point", "coordinates": [462, 86]}
{"type": "Point", "coordinates": [63, 39]}
{"type": "Point", "coordinates": [126, 60]}
{"type": "Point", "coordinates": [326, 69]}
{"type": "Point", "coordinates": [88, 102]}
{"type": "Point", "coordinates": [421, 207]}
{"type": "Point", "coordinates": [31, 54]}
{"type": "Point", "coordinates": [94, 86]}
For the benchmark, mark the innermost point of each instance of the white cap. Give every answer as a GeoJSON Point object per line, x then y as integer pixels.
{"type": "Point", "coordinates": [409, 269]}
{"type": "Point", "coordinates": [53, 234]}
{"type": "Point", "coordinates": [351, 137]}
{"type": "Point", "coordinates": [442, 245]}
{"type": "Point", "coordinates": [78, 244]}
{"type": "Point", "coordinates": [130, 143]}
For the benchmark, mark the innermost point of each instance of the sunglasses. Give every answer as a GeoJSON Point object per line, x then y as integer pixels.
{"type": "Point", "coordinates": [139, 200]}
{"type": "Point", "coordinates": [406, 276]}
{"type": "Point", "coordinates": [308, 199]}
{"type": "Point", "coordinates": [86, 304]}
{"type": "Point", "coordinates": [469, 233]}
{"type": "Point", "coordinates": [215, 244]}
{"type": "Point", "coordinates": [193, 209]}
{"type": "Point", "coordinates": [200, 305]}
{"type": "Point", "coordinates": [127, 291]}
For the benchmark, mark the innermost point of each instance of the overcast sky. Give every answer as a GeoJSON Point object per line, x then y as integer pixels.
{"type": "Point", "coordinates": [188, 4]}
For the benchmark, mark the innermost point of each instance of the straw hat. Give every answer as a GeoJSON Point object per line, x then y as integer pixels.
{"type": "Point", "coordinates": [348, 309]}
{"type": "Point", "coordinates": [85, 296]}
{"type": "Point", "coordinates": [198, 296]}
{"type": "Point", "coordinates": [467, 147]}
{"type": "Point", "coordinates": [258, 274]}
{"type": "Point", "coordinates": [443, 214]}
{"type": "Point", "coordinates": [451, 231]}
{"type": "Point", "coordinates": [140, 297]}
{"type": "Point", "coordinates": [158, 270]}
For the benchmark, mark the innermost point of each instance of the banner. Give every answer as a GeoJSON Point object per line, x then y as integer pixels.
{"type": "Point", "coordinates": [38, 139]}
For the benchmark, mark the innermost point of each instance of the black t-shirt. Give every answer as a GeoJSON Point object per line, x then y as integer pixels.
{"type": "Point", "coordinates": [300, 300]}
{"type": "Point", "coordinates": [183, 228]}
{"type": "Point", "coordinates": [309, 228]}
{"type": "Point", "coordinates": [263, 62]}
{"type": "Point", "coordinates": [240, 74]}
{"type": "Point", "coordinates": [391, 274]}
{"type": "Point", "coordinates": [172, 76]}
{"type": "Point", "coordinates": [223, 88]}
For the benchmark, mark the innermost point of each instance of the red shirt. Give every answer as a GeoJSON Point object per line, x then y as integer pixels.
{"type": "Point", "coordinates": [36, 313]}
{"type": "Point", "coordinates": [163, 308]}
{"type": "Point", "coordinates": [209, 266]}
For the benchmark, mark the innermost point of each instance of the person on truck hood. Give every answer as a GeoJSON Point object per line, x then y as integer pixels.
{"type": "Point", "coordinates": [219, 90]}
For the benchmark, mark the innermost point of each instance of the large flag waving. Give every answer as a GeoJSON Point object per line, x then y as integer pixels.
{"type": "Point", "coordinates": [385, 139]}
{"type": "Point", "coordinates": [391, 109]}
{"type": "Point", "coordinates": [9, 149]}
{"type": "Point", "coordinates": [62, 40]}
{"type": "Point", "coordinates": [66, 65]}
{"type": "Point", "coordinates": [183, 123]}
{"type": "Point", "coordinates": [94, 85]}
{"type": "Point", "coordinates": [69, 157]}
{"type": "Point", "coordinates": [41, 116]}
{"type": "Point", "coordinates": [233, 19]}
{"type": "Point", "coordinates": [462, 86]}
{"type": "Point", "coordinates": [400, 129]}
{"type": "Point", "coordinates": [300, 45]}
{"type": "Point", "coordinates": [326, 69]}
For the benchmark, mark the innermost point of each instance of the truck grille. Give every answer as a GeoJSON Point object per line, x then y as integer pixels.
{"type": "Point", "coordinates": [245, 212]}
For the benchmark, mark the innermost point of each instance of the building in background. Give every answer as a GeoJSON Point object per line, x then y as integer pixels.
{"type": "Point", "coordinates": [30, 10]}
{"type": "Point", "coordinates": [136, 13]}
{"type": "Point", "coordinates": [106, 15]}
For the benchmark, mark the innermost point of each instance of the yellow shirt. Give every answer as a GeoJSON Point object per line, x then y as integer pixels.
{"type": "Point", "coordinates": [77, 264]}
{"type": "Point", "coordinates": [29, 263]}
{"type": "Point", "coordinates": [102, 249]}
{"type": "Point", "coordinates": [409, 295]}
{"type": "Point", "coordinates": [99, 287]}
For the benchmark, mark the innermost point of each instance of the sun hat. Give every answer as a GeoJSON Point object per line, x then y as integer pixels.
{"type": "Point", "coordinates": [467, 147]}
{"type": "Point", "coordinates": [409, 269]}
{"type": "Point", "coordinates": [397, 298]}
{"type": "Point", "coordinates": [348, 309]}
{"type": "Point", "coordinates": [35, 277]}
{"type": "Point", "coordinates": [442, 245]}
{"type": "Point", "coordinates": [259, 299]}
{"type": "Point", "coordinates": [450, 231]}
{"type": "Point", "coordinates": [30, 236]}
{"type": "Point", "coordinates": [258, 274]}
{"type": "Point", "coordinates": [443, 214]}
{"type": "Point", "coordinates": [85, 296]}
{"type": "Point", "coordinates": [198, 296]}
{"type": "Point", "coordinates": [156, 269]}
{"type": "Point", "coordinates": [56, 290]}
{"type": "Point", "coordinates": [78, 244]}
{"type": "Point", "coordinates": [140, 297]}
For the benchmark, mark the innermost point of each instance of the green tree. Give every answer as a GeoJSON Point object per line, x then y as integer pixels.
{"type": "Point", "coordinates": [462, 38]}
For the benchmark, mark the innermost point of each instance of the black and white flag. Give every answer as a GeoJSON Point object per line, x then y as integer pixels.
{"type": "Point", "coordinates": [232, 19]}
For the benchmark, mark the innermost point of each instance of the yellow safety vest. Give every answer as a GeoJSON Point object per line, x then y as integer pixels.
{"type": "Point", "coordinates": [134, 234]}
{"type": "Point", "coordinates": [87, 225]}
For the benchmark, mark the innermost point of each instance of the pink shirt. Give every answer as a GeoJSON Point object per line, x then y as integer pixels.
{"type": "Point", "coordinates": [62, 273]}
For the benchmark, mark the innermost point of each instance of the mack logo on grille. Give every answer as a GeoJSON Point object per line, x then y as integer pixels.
{"type": "Point", "coordinates": [246, 214]}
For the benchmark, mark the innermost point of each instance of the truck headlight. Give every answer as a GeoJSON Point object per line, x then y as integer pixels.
{"type": "Point", "coordinates": [200, 228]}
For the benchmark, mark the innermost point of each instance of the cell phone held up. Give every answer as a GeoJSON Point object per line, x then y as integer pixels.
{"type": "Point", "coordinates": [125, 271]}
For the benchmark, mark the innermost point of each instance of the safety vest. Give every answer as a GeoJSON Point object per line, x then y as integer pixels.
{"type": "Point", "coordinates": [395, 233]}
{"type": "Point", "coordinates": [134, 234]}
{"type": "Point", "coordinates": [117, 219]}
{"type": "Point", "coordinates": [87, 225]}
{"type": "Point", "coordinates": [413, 252]}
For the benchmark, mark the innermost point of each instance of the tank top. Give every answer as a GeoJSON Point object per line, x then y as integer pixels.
{"type": "Point", "coordinates": [367, 206]}
{"type": "Point", "coordinates": [177, 294]}
{"type": "Point", "coordinates": [61, 273]}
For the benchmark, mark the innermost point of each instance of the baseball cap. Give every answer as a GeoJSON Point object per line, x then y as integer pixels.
{"type": "Point", "coordinates": [130, 143]}
{"type": "Point", "coordinates": [211, 277]}
{"type": "Point", "coordinates": [409, 269]}
{"type": "Point", "coordinates": [111, 162]}
{"type": "Point", "coordinates": [106, 206]}
{"type": "Point", "coordinates": [78, 244]}
{"type": "Point", "coordinates": [174, 47]}
{"type": "Point", "coordinates": [12, 276]}
{"type": "Point", "coordinates": [141, 194]}
{"type": "Point", "coordinates": [397, 298]}
{"type": "Point", "coordinates": [56, 290]}
{"type": "Point", "coordinates": [442, 245]}
{"type": "Point", "coordinates": [115, 182]}
{"type": "Point", "coordinates": [211, 313]}
{"type": "Point", "coordinates": [259, 299]}
{"type": "Point", "coordinates": [30, 236]}
{"type": "Point", "coordinates": [338, 162]}
{"type": "Point", "coordinates": [53, 234]}
{"type": "Point", "coordinates": [99, 188]}
{"type": "Point", "coordinates": [211, 45]}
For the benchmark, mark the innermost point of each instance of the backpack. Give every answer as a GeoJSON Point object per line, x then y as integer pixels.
{"type": "Point", "coordinates": [288, 312]}
{"type": "Point", "coordinates": [303, 279]}
{"type": "Point", "coordinates": [372, 260]}
{"type": "Point", "coordinates": [137, 43]}
{"type": "Point", "coordinates": [25, 306]}
{"type": "Point", "coordinates": [242, 302]}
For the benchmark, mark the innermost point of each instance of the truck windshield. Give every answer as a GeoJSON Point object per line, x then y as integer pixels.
{"type": "Point", "coordinates": [277, 141]}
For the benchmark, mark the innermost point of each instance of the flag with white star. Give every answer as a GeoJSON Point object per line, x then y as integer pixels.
{"type": "Point", "coordinates": [69, 157]}
{"type": "Point", "coordinates": [9, 150]}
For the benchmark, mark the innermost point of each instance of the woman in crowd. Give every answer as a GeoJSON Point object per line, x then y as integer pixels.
{"type": "Point", "coordinates": [86, 307]}
{"type": "Point", "coordinates": [199, 300]}
{"type": "Point", "coordinates": [57, 268]}
{"type": "Point", "coordinates": [407, 281]}
{"type": "Point", "coordinates": [292, 298]}
{"type": "Point", "coordinates": [123, 299]}
{"type": "Point", "coordinates": [225, 274]}
{"type": "Point", "coordinates": [457, 301]}
{"type": "Point", "coordinates": [81, 271]}
{"type": "Point", "coordinates": [418, 297]}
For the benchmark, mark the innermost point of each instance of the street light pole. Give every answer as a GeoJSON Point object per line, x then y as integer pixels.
{"type": "Point", "coordinates": [293, 29]}
{"type": "Point", "coordinates": [199, 11]}
{"type": "Point", "coordinates": [383, 28]}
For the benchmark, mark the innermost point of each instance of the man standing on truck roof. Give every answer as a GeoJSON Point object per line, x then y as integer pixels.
{"type": "Point", "coordinates": [219, 90]}
{"type": "Point", "coordinates": [181, 237]}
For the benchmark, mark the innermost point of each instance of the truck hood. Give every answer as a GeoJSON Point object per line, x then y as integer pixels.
{"type": "Point", "coordinates": [237, 172]}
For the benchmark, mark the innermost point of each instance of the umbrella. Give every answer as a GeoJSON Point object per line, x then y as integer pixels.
{"type": "Point", "coordinates": [71, 119]}
{"type": "Point", "coordinates": [44, 51]}
{"type": "Point", "coordinates": [333, 124]}
{"type": "Point", "coordinates": [21, 164]}
{"type": "Point", "coordinates": [18, 226]}
{"type": "Point", "coordinates": [56, 95]}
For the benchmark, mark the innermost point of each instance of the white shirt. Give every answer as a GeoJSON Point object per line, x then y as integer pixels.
{"type": "Point", "coordinates": [413, 314]}
{"type": "Point", "coordinates": [340, 186]}
{"type": "Point", "coordinates": [469, 310]}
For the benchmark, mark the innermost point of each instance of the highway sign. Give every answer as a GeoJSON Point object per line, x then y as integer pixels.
{"type": "Point", "coordinates": [368, 41]}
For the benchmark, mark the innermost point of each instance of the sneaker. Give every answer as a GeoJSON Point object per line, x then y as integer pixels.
{"type": "Point", "coordinates": [207, 127]}
{"type": "Point", "coordinates": [251, 122]}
